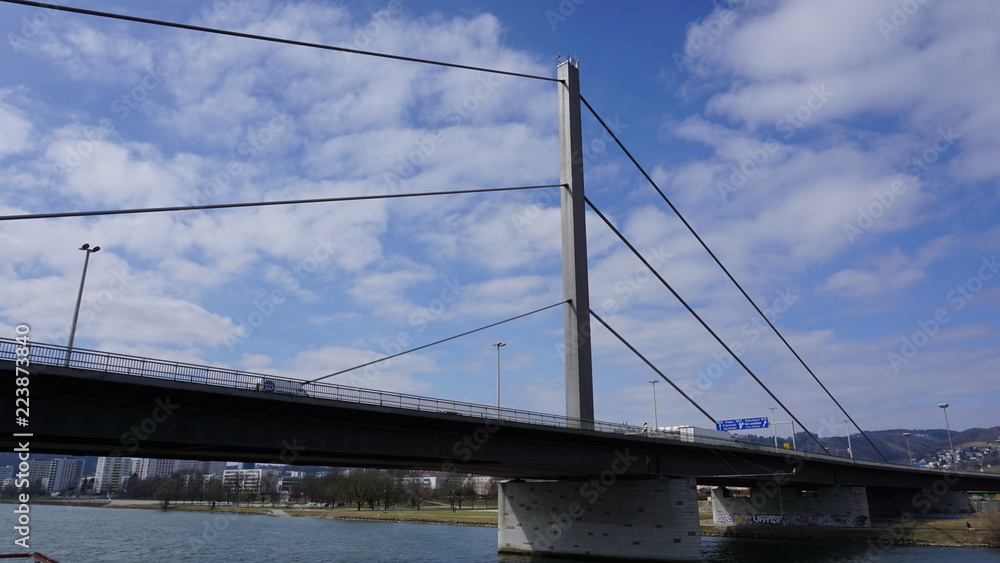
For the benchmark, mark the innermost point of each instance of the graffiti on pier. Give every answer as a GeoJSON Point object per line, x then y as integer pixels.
{"type": "Point", "coordinates": [793, 519]}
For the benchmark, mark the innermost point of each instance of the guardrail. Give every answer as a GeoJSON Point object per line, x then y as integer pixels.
{"type": "Point", "coordinates": [49, 354]}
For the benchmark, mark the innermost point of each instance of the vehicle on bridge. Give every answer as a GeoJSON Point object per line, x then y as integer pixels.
{"type": "Point", "coordinates": [280, 386]}
{"type": "Point", "coordinates": [695, 433]}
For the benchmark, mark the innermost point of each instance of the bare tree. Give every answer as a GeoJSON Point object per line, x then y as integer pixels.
{"type": "Point", "coordinates": [417, 493]}
{"type": "Point", "coordinates": [170, 489]}
{"type": "Point", "coordinates": [268, 488]}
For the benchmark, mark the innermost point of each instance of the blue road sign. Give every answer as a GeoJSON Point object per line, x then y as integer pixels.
{"type": "Point", "coordinates": [269, 385]}
{"type": "Point", "coordinates": [741, 424]}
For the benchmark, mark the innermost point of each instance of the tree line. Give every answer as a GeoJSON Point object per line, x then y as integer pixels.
{"type": "Point", "coordinates": [371, 488]}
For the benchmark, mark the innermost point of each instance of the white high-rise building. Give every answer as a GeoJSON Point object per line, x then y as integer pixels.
{"type": "Point", "coordinates": [252, 481]}
{"type": "Point", "coordinates": [113, 472]}
{"type": "Point", "coordinates": [65, 475]}
{"type": "Point", "coordinates": [156, 468]}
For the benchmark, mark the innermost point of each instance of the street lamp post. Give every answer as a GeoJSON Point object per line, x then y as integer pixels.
{"type": "Point", "coordinates": [774, 427]}
{"type": "Point", "coordinates": [656, 421]}
{"type": "Point", "coordinates": [849, 450]}
{"type": "Point", "coordinates": [498, 345]}
{"type": "Point", "coordinates": [79, 297]}
{"type": "Point", "coordinates": [908, 454]}
{"type": "Point", "coordinates": [954, 457]}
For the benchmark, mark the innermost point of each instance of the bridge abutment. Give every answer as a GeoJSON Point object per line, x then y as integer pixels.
{"type": "Point", "coordinates": [937, 499]}
{"type": "Point", "coordinates": [793, 506]}
{"type": "Point", "coordinates": [653, 520]}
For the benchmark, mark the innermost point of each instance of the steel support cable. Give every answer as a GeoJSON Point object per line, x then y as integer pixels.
{"type": "Point", "coordinates": [466, 333]}
{"type": "Point", "coordinates": [728, 274]}
{"type": "Point", "coordinates": [700, 320]}
{"type": "Point", "coordinates": [243, 35]}
{"type": "Point", "coordinates": [711, 447]}
{"type": "Point", "coordinates": [259, 203]}
{"type": "Point", "coordinates": [650, 364]}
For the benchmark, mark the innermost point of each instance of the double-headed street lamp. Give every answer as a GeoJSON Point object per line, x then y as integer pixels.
{"type": "Point", "coordinates": [656, 421]}
{"type": "Point", "coordinates": [849, 450]}
{"type": "Point", "coordinates": [774, 426]}
{"type": "Point", "coordinates": [954, 458]}
{"type": "Point", "coordinates": [908, 454]}
{"type": "Point", "coordinates": [79, 296]}
{"type": "Point", "coordinates": [498, 345]}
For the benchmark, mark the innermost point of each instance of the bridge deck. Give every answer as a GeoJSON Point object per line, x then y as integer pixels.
{"type": "Point", "coordinates": [99, 402]}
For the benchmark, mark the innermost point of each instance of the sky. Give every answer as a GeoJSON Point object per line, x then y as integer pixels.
{"type": "Point", "coordinates": [838, 157]}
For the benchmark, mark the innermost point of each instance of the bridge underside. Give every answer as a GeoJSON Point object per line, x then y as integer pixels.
{"type": "Point", "coordinates": [82, 412]}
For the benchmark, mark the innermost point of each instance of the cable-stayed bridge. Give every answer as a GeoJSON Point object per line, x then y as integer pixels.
{"type": "Point", "coordinates": [99, 403]}
{"type": "Point", "coordinates": [578, 486]}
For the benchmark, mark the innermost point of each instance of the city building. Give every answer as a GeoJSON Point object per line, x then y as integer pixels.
{"type": "Point", "coordinates": [252, 481]}
{"type": "Point", "coordinates": [156, 468]}
{"type": "Point", "coordinates": [113, 472]}
{"type": "Point", "coordinates": [65, 475]}
{"type": "Point", "coordinates": [429, 481]}
{"type": "Point", "coordinates": [479, 483]}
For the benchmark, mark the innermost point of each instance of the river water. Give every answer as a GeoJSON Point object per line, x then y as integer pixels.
{"type": "Point", "coordinates": [72, 534]}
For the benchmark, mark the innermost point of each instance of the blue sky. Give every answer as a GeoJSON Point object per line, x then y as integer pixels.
{"type": "Point", "coordinates": [839, 158]}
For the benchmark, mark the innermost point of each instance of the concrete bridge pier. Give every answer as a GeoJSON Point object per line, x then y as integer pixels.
{"type": "Point", "coordinates": [642, 519]}
{"type": "Point", "coordinates": [767, 503]}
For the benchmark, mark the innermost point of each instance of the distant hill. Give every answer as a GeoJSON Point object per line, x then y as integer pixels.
{"type": "Point", "coordinates": [892, 443]}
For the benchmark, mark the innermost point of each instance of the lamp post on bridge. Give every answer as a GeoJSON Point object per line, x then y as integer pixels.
{"type": "Point", "coordinates": [849, 450]}
{"type": "Point", "coordinates": [774, 427]}
{"type": "Point", "coordinates": [908, 454]}
{"type": "Point", "coordinates": [656, 422]}
{"type": "Point", "coordinates": [954, 457]}
{"type": "Point", "coordinates": [79, 297]}
{"type": "Point", "coordinates": [498, 345]}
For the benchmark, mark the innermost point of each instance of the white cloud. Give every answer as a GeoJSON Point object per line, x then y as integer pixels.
{"type": "Point", "coordinates": [17, 129]}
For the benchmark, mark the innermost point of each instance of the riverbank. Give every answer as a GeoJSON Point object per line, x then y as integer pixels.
{"type": "Point", "coordinates": [434, 514]}
{"type": "Point", "coordinates": [883, 533]}
{"type": "Point", "coordinates": [949, 532]}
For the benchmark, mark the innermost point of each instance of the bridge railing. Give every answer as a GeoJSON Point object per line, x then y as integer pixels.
{"type": "Point", "coordinates": [48, 354]}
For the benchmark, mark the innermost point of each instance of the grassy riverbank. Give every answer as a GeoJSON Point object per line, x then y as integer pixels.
{"type": "Point", "coordinates": [883, 533]}
{"type": "Point", "coordinates": [431, 514]}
